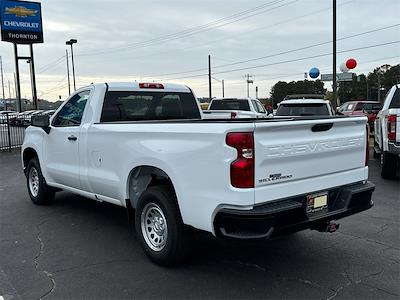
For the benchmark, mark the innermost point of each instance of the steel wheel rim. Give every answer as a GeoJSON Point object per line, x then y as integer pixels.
{"type": "Point", "coordinates": [33, 179]}
{"type": "Point", "coordinates": [154, 226]}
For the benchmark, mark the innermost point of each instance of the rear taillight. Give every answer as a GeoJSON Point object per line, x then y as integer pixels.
{"type": "Point", "coordinates": [366, 145]}
{"type": "Point", "coordinates": [242, 169]}
{"type": "Point", "coordinates": [151, 85]}
{"type": "Point", "coordinates": [391, 126]}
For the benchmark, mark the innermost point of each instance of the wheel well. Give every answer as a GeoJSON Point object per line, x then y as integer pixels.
{"type": "Point", "coordinates": [28, 154]}
{"type": "Point", "coordinates": [142, 177]}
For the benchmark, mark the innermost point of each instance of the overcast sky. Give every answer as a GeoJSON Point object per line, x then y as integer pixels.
{"type": "Point", "coordinates": [127, 40]}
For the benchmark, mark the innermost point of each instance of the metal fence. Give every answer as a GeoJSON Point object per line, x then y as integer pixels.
{"type": "Point", "coordinates": [12, 130]}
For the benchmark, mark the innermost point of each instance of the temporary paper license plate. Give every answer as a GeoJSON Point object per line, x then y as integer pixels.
{"type": "Point", "coordinates": [317, 202]}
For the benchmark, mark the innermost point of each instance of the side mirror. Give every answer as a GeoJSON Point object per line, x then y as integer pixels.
{"type": "Point", "coordinates": [41, 121]}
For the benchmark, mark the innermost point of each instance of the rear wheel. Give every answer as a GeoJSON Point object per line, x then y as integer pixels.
{"type": "Point", "coordinates": [376, 154]}
{"type": "Point", "coordinates": [39, 192]}
{"type": "Point", "coordinates": [389, 165]}
{"type": "Point", "coordinates": [159, 226]}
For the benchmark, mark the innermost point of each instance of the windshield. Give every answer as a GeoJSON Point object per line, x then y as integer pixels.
{"type": "Point", "coordinates": [347, 107]}
{"type": "Point", "coordinates": [302, 109]}
{"type": "Point", "coordinates": [230, 105]}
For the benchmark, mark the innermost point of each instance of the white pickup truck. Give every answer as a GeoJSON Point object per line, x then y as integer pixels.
{"type": "Point", "coordinates": [235, 108]}
{"type": "Point", "coordinates": [387, 134]}
{"type": "Point", "coordinates": [147, 148]}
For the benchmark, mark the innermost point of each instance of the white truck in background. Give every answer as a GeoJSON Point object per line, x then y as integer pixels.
{"type": "Point", "coordinates": [304, 107]}
{"type": "Point", "coordinates": [235, 108]}
{"type": "Point", "coordinates": [387, 134]}
{"type": "Point", "coordinates": [147, 147]}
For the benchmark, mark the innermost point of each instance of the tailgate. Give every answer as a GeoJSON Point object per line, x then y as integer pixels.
{"type": "Point", "coordinates": [302, 156]}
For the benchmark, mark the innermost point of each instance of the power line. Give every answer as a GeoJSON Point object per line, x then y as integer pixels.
{"type": "Point", "coordinates": [190, 32]}
{"type": "Point", "coordinates": [291, 60]}
{"type": "Point", "coordinates": [203, 44]}
{"type": "Point", "coordinates": [280, 53]}
{"type": "Point", "coordinates": [50, 65]}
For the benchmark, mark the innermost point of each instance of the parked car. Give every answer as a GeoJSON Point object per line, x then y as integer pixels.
{"type": "Point", "coordinates": [21, 117]}
{"type": "Point", "coordinates": [147, 147]}
{"type": "Point", "coordinates": [366, 108]}
{"type": "Point", "coordinates": [231, 108]}
{"type": "Point", "coordinates": [304, 107]}
{"type": "Point", "coordinates": [387, 134]}
{"type": "Point", "coordinates": [27, 119]}
{"type": "Point", "coordinates": [3, 115]}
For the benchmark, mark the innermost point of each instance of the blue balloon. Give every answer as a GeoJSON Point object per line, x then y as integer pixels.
{"type": "Point", "coordinates": [314, 73]}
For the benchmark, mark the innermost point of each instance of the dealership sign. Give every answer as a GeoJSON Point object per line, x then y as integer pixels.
{"type": "Point", "coordinates": [21, 22]}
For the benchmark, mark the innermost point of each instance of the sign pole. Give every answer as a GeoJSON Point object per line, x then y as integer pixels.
{"type": "Point", "coordinates": [2, 83]}
{"type": "Point", "coordinates": [17, 83]}
{"type": "Point", "coordinates": [33, 79]}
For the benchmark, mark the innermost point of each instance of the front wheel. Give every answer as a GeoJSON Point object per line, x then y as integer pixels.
{"type": "Point", "coordinates": [159, 226]}
{"type": "Point", "coordinates": [39, 192]}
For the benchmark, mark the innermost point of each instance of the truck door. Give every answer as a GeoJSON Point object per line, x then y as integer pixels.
{"type": "Point", "coordinates": [61, 145]}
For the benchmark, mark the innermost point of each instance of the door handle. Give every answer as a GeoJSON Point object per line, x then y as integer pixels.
{"type": "Point", "coordinates": [72, 138]}
{"type": "Point", "coordinates": [321, 127]}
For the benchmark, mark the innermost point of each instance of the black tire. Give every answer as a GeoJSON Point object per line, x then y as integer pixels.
{"type": "Point", "coordinates": [44, 194]}
{"type": "Point", "coordinates": [389, 165]}
{"type": "Point", "coordinates": [175, 246]}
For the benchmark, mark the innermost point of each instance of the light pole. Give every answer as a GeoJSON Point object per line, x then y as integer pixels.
{"type": "Point", "coordinates": [69, 83]}
{"type": "Point", "coordinates": [71, 42]}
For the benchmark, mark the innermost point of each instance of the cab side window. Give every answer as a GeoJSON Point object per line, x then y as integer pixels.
{"type": "Point", "coordinates": [71, 113]}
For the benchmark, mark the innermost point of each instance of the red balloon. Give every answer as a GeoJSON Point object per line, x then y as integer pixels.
{"type": "Point", "coordinates": [351, 63]}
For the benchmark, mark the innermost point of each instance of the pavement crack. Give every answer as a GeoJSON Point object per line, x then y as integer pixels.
{"type": "Point", "coordinates": [36, 261]}
{"type": "Point", "coordinates": [251, 265]}
{"type": "Point", "coordinates": [380, 289]}
{"type": "Point", "coordinates": [335, 293]}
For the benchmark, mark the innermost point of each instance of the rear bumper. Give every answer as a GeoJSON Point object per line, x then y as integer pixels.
{"type": "Point", "coordinates": [290, 215]}
{"type": "Point", "coordinates": [394, 147]}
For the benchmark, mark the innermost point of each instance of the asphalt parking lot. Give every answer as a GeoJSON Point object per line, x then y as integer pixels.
{"type": "Point", "coordinates": [82, 249]}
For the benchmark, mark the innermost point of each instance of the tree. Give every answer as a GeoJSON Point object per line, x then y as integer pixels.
{"type": "Point", "coordinates": [364, 87]}
{"type": "Point", "coordinates": [282, 89]}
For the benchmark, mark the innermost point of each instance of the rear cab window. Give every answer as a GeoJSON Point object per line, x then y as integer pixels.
{"type": "Point", "coordinates": [146, 106]}
{"type": "Point", "coordinates": [234, 104]}
{"type": "Point", "coordinates": [395, 103]}
{"type": "Point", "coordinates": [299, 109]}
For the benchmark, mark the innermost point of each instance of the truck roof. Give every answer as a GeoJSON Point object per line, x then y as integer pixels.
{"type": "Point", "coordinates": [147, 86]}
{"type": "Point", "coordinates": [233, 99]}
{"type": "Point", "coordinates": [303, 101]}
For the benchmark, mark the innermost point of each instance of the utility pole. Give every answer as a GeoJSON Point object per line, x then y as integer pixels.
{"type": "Point", "coordinates": [334, 94]}
{"type": "Point", "coordinates": [69, 82]}
{"type": "Point", "coordinates": [2, 83]}
{"type": "Point", "coordinates": [366, 77]}
{"type": "Point", "coordinates": [209, 77]}
{"type": "Point", "coordinates": [223, 88]}
{"type": "Point", "coordinates": [379, 85]}
{"type": "Point", "coordinates": [9, 89]}
{"type": "Point", "coordinates": [256, 92]}
{"type": "Point", "coordinates": [248, 81]}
